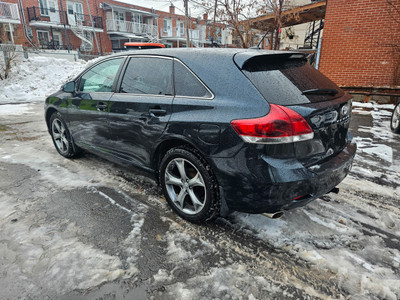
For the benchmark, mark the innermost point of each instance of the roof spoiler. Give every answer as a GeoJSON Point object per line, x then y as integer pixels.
{"type": "Point", "coordinates": [241, 58]}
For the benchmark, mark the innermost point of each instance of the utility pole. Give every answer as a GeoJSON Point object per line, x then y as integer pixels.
{"type": "Point", "coordinates": [94, 31]}
{"type": "Point", "coordinates": [65, 27]}
{"type": "Point", "coordinates": [214, 25]}
{"type": "Point", "coordinates": [187, 23]}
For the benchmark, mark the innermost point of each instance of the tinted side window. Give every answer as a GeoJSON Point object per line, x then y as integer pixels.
{"type": "Point", "coordinates": [186, 84]}
{"type": "Point", "coordinates": [148, 75]}
{"type": "Point", "coordinates": [101, 77]}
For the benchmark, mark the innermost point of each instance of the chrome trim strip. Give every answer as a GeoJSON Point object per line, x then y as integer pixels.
{"type": "Point", "coordinates": [278, 140]}
{"type": "Point", "coordinates": [201, 81]}
{"type": "Point", "coordinates": [150, 56]}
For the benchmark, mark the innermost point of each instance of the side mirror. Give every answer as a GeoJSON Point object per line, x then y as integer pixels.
{"type": "Point", "coordinates": [69, 87]}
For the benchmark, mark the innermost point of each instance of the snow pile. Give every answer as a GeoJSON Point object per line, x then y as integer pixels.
{"type": "Point", "coordinates": [33, 79]}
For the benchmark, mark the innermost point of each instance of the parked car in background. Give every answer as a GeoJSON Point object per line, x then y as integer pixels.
{"type": "Point", "coordinates": [395, 120]}
{"type": "Point", "coordinates": [142, 46]}
{"type": "Point", "coordinates": [220, 129]}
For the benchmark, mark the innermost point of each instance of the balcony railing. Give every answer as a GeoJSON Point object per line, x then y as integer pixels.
{"type": "Point", "coordinates": [131, 27]}
{"type": "Point", "coordinates": [60, 17]}
{"type": "Point", "coordinates": [173, 32]}
{"type": "Point", "coordinates": [9, 11]}
{"type": "Point", "coordinates": [178, 32]}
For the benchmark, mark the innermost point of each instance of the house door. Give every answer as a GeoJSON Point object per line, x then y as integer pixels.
{"type": "Point", "coordinates": [120, 20]}
{"type": "Point", "coordinates": [43, 38]}
{"type": "Point", "coordinates": [57, 40]}
{"type": "Point", "coordinates": [75, 13]}
{"type": "Point", "coordinates": [54, 13]}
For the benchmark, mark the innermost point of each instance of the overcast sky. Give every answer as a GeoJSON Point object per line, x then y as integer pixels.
{"type": "Point", "coordinates": [195, 9]}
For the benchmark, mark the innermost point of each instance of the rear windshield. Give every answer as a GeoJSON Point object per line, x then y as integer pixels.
{"type": "Point", "coordinates": [282, 80]}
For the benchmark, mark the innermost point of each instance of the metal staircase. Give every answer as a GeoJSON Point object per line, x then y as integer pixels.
{"type": "Point", "coordinates": [313, 34]}
{"type": "Point", "coordinates": [79, 31]}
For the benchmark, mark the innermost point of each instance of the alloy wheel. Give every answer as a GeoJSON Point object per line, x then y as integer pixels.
{"type": "Point", "coordinates": [396, 117]}
{"type": "Point", "coordinates": [185, 186]}
{"type": "Point", "coordinates": [60, 136]}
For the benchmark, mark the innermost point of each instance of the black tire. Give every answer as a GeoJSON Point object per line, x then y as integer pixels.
{"type": "Point", "coordinates": [61, 137]}
{"type": "Point", "coordinates": [189, 185]}
{"type": "Point", "coordinates": [395, 121]}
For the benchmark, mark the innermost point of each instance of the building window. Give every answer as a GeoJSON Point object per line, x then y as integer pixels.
{"type": "Point", "coordinates": [57, 40]}
{"type": "Point", "coordinates": [43, 38]}
{"type": "Point", "coordinates": [44, 8]}
{"type": "Point", "coordinates": [181, 29]}
{"type": "Point", "coordinates": [165, 25]}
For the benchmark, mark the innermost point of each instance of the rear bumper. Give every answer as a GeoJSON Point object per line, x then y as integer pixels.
{"type": "Point", "coordinates": [261, 184]}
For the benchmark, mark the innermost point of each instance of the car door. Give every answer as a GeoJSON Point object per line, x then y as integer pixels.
{"type": "Point", "coordinates": [88, 109]}
{"type": "Point", "coordinates": [140, 110]}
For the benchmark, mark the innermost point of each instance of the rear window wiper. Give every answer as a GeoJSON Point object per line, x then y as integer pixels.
{"type": "Point", "coordinates": [332, 92]}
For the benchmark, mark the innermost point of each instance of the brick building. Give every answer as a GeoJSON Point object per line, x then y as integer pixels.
{"type": "Point", "coordinates": [360, 47]}
{"type": "Point", "coordinates": [56, 24]}
{"type": "Point", "coordinates": [102, 27]}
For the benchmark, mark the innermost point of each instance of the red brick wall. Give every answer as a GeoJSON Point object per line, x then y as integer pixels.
{"type": "Point", "coordinates": [356, 45]}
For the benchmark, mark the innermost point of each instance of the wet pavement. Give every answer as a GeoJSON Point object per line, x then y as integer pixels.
{"type": "Point", "coordinates": [88, 229]}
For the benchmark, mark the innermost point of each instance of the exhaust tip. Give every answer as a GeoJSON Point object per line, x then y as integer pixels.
{"type": "Point", "coordinates": [275, 215]}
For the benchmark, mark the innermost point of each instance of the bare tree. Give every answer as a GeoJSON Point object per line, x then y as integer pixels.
{"type": "Point", "coordinates": [236, 14]}
{"type": "Point", "coordinates": [9, 55]}
{"type": "Point", "coordinates": [245, 16]}
{"type": "Point", "coordinates": [282, 12]}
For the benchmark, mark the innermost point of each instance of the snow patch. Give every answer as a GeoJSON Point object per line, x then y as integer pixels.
{"type": "Point", "coordinates": [14, 109]}
{"type": "Point", "coordinates": [56, 259]}
{"type": "Point", "coordinates": [32, 80]}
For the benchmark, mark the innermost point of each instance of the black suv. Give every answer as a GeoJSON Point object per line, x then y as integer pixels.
{"type": "Point", "coordinates": [220, 129]}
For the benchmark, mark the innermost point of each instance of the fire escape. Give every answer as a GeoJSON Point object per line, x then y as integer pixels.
{"type": "Point", "coordinates": [79, 31]}
{"type": "Point", "coordinates": [313, 34]}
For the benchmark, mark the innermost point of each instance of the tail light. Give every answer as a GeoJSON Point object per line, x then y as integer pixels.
{"type": "Point", "coordinates": [281, 125]}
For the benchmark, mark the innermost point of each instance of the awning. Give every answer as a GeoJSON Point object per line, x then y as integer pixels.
{"type": "Point", "coordinates": [107, 6]}
{"type": "Point", "coordinates": [119, 35]}
{"type": "Point", "coordinates": [304, 14]}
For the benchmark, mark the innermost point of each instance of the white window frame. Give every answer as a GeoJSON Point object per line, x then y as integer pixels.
{"type": "Point", "coordinates": [119, 15]}
{"type": "Point", "coordinates": [59, 35]}
{"type": "Point", "coordinates": [165, 25]}
{"type": "Point", "coordinates": [48, 36]}
{"type": "Point", "coordinates": [75, 10]}
{"type": "Point", "coordinates": [44, 8]}
{"type": "Point", "coordinates": [181, 29]}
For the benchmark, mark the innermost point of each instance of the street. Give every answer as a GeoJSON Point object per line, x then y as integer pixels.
{"type": "Point", "coordinates": [86, 228]}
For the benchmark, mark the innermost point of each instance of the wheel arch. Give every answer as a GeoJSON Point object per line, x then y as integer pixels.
{"type": "Point", "coordinates": [49, 112]}
{"type": "Point", "coordinates": [167, 145]}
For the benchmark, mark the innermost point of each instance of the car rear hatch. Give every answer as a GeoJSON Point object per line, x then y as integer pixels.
{"type": "Point", "coordinates": [285, 79]}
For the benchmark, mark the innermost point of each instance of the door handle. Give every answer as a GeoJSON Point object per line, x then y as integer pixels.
{"type": "Point", "coordinates": [101, 106]}
{"type": "Point", "coordinates": [157, 112]}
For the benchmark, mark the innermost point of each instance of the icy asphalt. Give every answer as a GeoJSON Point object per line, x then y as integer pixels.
{"type": "Point", "coordinates": [88, 229]}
